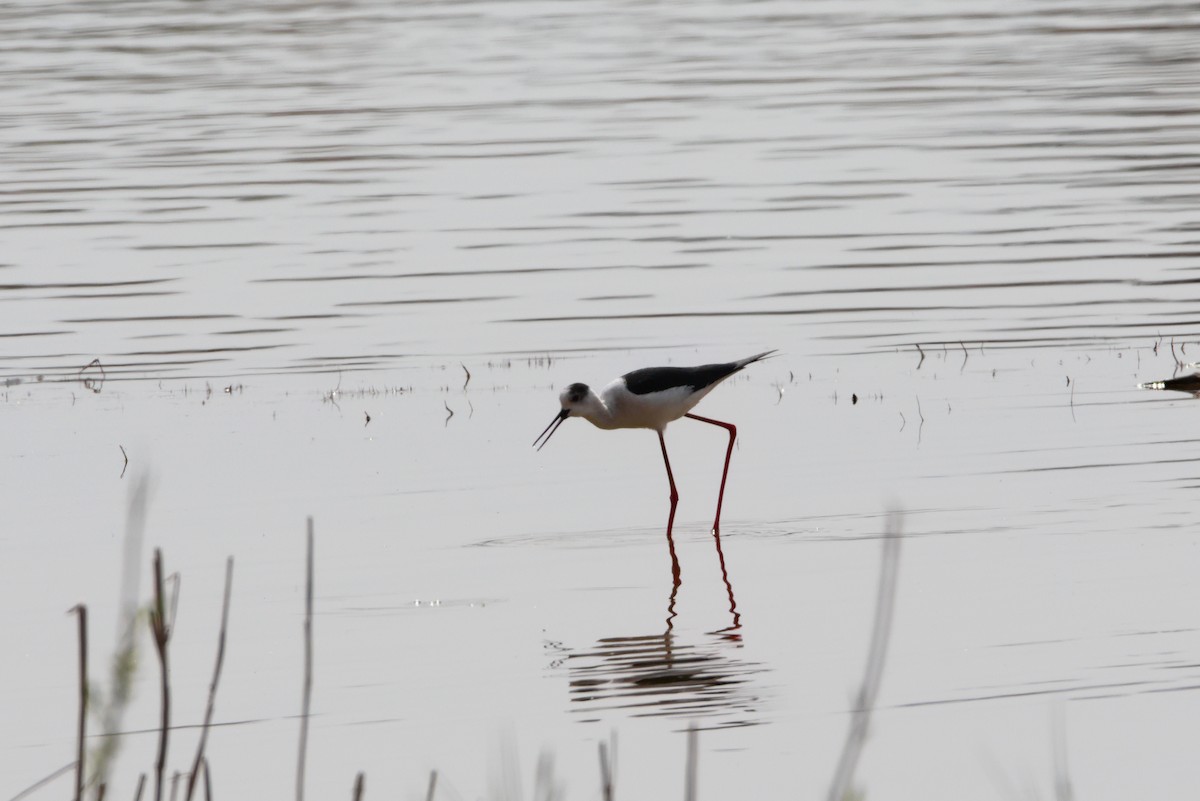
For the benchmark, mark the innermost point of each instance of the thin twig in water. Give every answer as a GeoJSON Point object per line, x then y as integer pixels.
{"type": "Point", "coordinates": [468, 372]}
{"type": "Point", "coordinates": [1062, 776]}
{"type": "Point", "coordinates": [81, 610]}
{"type": "Point", "coordinates": [308, 651]}
{"type": "Point", "coordinates": [212, 688]}
{"type": "Point", "coordinates": [81, 762]}
{"type": "Point", "coordinates": [89, 382]}
{"type": "Point", "coordinates": [432, 785]}
{"type": "Point", "coordinates": [126, 455]}
{"type": "Point", "coordinates": [689, 787]}
{"type": "Point", "coordinates": [141, 786]}
{"type": "Point", "coordinates": [606, 774]}
{"type": "Point", "coordinates": [42, 782]}
{"type": "Point", "coordinates": [920, 428]}
{"type": "Point", "coordinates": [161, 633]}
{"type": "Point", "coordinates": [358, 786]}
{"type": "Point", "coordinates": [124, 660]}
{"type": "Point", "coordinates": [843, 777]}
{"type": "Point", "coordinates": [922, 361]}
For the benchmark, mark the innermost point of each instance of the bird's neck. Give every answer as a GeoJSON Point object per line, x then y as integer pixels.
{"type": "Point", "coordinates": [597, 412]}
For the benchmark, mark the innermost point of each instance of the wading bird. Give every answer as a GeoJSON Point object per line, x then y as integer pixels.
{"type": "Point", "coordinates": [651, 398]}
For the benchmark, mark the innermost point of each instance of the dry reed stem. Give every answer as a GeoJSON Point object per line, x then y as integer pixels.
{"type": "Point", "coordinates": [161, 632]}
{"type": "Point", "coordinates": [42, 782]}
{"type": "Point", "coordinates": [137, 796]}
{"type": "Point", "coordinates": [885, 599]}
{"type": "Point", "coordinates": [212, 688]}
{"type": "Point", "coordinates": [359, 782]}
{"type": "Point", "coordinates": [81, 611]}
{"type": "Point", "coordinates": [308, 652]}
{"type": "Point", "coordinates": [689, 787]}
{"type": "Point", "coordinates": [1063, 791]}
{"type": "Point", "coordinates": [606, 782]}
{"type": "Point", "coordinates": [432, 785]}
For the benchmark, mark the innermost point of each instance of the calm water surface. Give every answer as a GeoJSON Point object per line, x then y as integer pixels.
{"type": "Point", "coordinates": [288, 232]}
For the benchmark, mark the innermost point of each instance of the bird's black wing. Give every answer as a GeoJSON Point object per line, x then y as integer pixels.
{"type": "Point", "coordinates": [657, 379]}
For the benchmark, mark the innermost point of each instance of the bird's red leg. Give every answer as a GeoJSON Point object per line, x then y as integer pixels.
{"type": "Point", "coordinates": [732, 429]}
{"type": "Point", "coordinates": [670, 477]}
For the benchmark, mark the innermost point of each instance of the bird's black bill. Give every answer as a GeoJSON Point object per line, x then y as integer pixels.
{"type": "Point", "coordinates": [550, 429]}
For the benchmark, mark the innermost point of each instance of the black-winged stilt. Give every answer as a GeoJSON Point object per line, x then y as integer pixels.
{"type": "Point", "coordinates": [651, 398]}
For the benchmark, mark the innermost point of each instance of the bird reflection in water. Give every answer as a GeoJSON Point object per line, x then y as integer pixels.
{"type": "Point", "coordinates": [668, 673]}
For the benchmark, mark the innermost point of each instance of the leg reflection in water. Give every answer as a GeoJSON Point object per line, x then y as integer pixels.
{"type": "Point", "coordinates": [730, 632]}
{"type": "Point", "coordinates": [673, 673]}
{"type": "Point", "coordinates": [676, 573]}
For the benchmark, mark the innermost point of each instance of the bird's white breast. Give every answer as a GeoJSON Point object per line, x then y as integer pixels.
{"type": "Point", "coordinates": [652, 410]}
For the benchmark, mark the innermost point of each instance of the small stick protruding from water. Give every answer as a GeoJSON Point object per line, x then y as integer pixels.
{"type": "Point", "coordinates": [922, 361]}
{"type": "Point", "coordinates": [1062, 775]}
{"type": "Point", "coordinates": [161, 634]}
{"type": "Point", "coordinates": [212, 688]}
{"type": "Point", "coordinates": [432, 785]}
{"type": "Point", "coordinates": [207, 782]}
{"type": "Point", "coordinates": [137, 796]}
{"type": "Point", "coordinates": [81, 611]}
{"type": "Point", "coordinates": [468, 372]}
{"type": "Point", "coordinates": [689, 787]}
{"type": "Point", "coordinates": [306, 699]}
{"type": "Point", "coordinates": [91, 383]}
{"type": "Point", "coordinates": [606, 773]}
{"type": "Point", "coordinates": [126, 455]}
{"type": "Point", "coordinates": [359, 781]}
{"type": "Point", "coordinates": [885, 601]}
{"type": "Point", "coordinates": [449, 410]}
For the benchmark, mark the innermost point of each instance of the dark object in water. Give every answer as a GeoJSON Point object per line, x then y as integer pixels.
{"type": "Point", "coordinates": [1185, 383]}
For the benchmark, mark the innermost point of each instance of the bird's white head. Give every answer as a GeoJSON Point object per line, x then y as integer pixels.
{"type": "Point", "coordinates": [577, 400]}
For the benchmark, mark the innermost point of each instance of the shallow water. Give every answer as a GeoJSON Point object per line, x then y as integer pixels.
{"type": "Point", "coordinates": [289, 232]}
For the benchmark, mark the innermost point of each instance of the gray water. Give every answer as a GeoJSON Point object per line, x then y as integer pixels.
{"type": "Point", "coordinates": [283, 235]}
